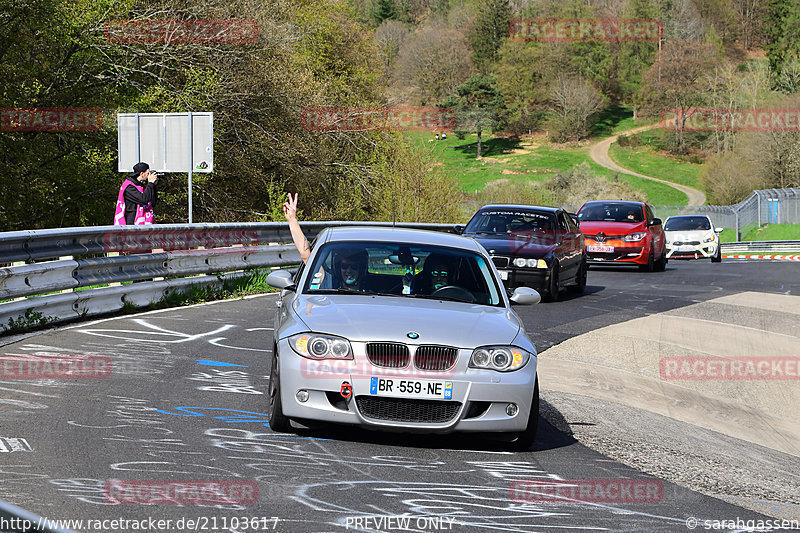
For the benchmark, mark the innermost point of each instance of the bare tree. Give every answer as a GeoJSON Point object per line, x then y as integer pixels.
{"type": "Point", "coordinates": [389, 37]}
{"type": "Point", "coordinates": [432, 63]}
{"type": "Point", "coordinates": [576, 102]}
{"type": "Point", "coordinates": [676, 83]}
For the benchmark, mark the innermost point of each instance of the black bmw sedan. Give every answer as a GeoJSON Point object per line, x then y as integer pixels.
{"type": "Point", "coordinates": [537, 247]}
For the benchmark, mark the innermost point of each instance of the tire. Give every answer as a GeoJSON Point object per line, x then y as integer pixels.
{"type": "Point", "coordinates": [661, 264]}
{"type": "Point", "coordinates": [718, 257]}
{"type": "Point", "coordinates": [526, 438]}
{"type": "Point", "coordinates": [551, 294]}
{"type": "Point", "coordinates": [580, 278]}
{"type": "Point", "coordinates": [277, 420]}
{"type": "Point", "coordinates": [650, 263]}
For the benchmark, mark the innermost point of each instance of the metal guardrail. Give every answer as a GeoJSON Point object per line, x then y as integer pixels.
{"type": "Point", "coordinates": [761, 247]}
{"type": "Point", "coordinates": [36, 245]}
{"type": "Point", "coordinates": [226, 251]}
{"type": "Point", "coordinates": [16, 520]}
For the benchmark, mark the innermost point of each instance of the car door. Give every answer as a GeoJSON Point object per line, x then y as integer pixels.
{"type": "Point", "coordinates": [565, 250]}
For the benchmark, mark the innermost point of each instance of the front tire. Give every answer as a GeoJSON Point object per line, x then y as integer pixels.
{"type": "Point", "coordinates": [551, 294]}
{"type": "Point", "coordinates": [650, 263]}
{"type": "Point", "coordinates": [718, 257]}
{"type": "Point", "coordinates": [526, 438]}
{"type": "Point", "coordinates": [277, 420]}
{"type": "Point", "coordinates": [661, 264]}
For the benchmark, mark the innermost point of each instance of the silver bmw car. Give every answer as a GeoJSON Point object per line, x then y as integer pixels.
{"type": "Point", "coordinates": [402, 330]}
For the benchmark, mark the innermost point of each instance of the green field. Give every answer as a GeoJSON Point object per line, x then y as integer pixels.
{"type": "Point", "coordinates": [645, 160]}
{"type": "Point", "coordinates": [774, 232]}
{"type": "Point", "coordinates": [534, 160]}
{"type": "Point", "coordinates": [616, 119]}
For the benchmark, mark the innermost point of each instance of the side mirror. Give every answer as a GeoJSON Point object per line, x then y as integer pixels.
{"type": "Point", "coordinates": [718, 230]}
{"type": "Point", "coordinates": [458, 228]}
{"type": "Point", "coordinates": [574, 218]}
{"type": "Point", "coordinates": [281, 279]}
{"type": "Point", "coordinates": [655, 222]}
{"type": "Point", "coordinates": [525, 296]}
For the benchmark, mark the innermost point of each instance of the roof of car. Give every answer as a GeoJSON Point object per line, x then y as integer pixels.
{"type": "Point", "coordinates": [514, 206]}
{"type": "Point", "coordinates": [398, 235]}
{"type": "Point", "coordinates": [631, 202]}
{"type": "Point", "coordinates": [688, 216]}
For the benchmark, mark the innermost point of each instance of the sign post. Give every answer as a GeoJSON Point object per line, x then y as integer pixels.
{"type": "Point", "coordinates": [168, 142]}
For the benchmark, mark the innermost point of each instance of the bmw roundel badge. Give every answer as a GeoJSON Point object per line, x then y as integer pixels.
{"type": "Point", "coordinates": [412, 335]}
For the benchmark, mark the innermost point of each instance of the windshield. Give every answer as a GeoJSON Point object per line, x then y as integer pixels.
{"type": "Point", "coordinates": [506, 221]}
{"type": "Point", "coordinates": [611, 212]}
{"type": "Point", "coordinates": [411, 271]}
{"type": "Point", "coordinates": [687, 224]}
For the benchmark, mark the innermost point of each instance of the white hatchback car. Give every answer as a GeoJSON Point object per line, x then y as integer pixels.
{"type": "Point", "coordinates": [692, 237]}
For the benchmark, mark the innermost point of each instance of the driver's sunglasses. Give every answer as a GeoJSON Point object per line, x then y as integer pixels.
{"type": "Point", "coordinates": [349, 266]}
{"type": "Point", "coordinates": [439, 273]}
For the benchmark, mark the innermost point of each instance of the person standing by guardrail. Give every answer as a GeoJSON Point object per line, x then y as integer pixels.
{"type": "Point", "coordinates": [137, 196]}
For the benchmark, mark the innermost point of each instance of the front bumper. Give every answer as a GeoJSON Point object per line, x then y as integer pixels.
{"type": "Point", "coordinates": [623, 252]}
{"type": "Point", "coordinates": [478, 404]}
{"type": "Point", "coordinates": [692, 251]}
{"type": "Point", "coordinates": [535, 278]}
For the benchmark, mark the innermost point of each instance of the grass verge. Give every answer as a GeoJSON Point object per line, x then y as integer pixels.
{"type": "Point", "coordinates": [774, 232]}
{"type": "Point", "coordinates": [644, 159]}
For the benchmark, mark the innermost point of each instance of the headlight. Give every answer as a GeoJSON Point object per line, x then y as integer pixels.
{"type": "Point", "coordinates": [521, 262]}
{"type": "Point", "coordinates": [710, 238]}
{"type": "Point", "coordinates": [316, 346]}
{"type": "Point", "coordinates": [635, 237]}
{"type": "Point", "coordinates": [501, 358]}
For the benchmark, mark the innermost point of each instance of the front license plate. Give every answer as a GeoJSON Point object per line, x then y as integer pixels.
{"type": "Point", "coordinates": [411, 388]}
{"type": "Point", "coordinates": [685, 248]}
{"type": "Point", "coordinates": [601, 249]}
{"type": "Point", "coordinates": [503, 274]}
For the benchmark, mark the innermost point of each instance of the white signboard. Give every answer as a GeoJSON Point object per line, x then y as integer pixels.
{"type": "Point", "coordinates": [163, 141]}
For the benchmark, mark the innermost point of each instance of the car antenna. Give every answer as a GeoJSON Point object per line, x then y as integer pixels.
{"type": "Point", "coordinates": [394, 204]}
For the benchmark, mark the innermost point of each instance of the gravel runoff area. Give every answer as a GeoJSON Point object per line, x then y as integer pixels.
{"type": "Point", "coordinates": [734, 440]}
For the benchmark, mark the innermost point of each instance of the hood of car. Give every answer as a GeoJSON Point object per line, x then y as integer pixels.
{"type": "Point", "coordinates": [684, 236]}
{"type": "Point", "coordinates": [611, 228]}
{"type": "Point", "coordinates": [535, 245]}
{"type": "Point", "coordinates": [364, 318]}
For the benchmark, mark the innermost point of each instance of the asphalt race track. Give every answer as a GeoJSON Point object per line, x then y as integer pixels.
{"type": "Point", "coordinates": [185, 401]}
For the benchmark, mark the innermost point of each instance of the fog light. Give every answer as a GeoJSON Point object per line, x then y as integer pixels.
{"type": "Point", "coordinates": [511, 409]}
{"type": "Point", "coordinates": [302, 396]}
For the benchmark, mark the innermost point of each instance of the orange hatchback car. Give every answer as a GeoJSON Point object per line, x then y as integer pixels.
{"type": "Point", "coordinates": [623, 233]}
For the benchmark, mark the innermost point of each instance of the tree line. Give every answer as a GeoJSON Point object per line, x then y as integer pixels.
{"type": "Point", "coordinates": [369, 53]}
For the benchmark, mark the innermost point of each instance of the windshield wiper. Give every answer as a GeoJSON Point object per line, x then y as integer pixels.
{"type": "Point", "coordinates": [337, 291]}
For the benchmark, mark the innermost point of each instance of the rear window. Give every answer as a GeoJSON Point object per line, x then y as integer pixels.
{"type": "Point", "coordinates": [611, 212]}
{"type": "Point", "coordinates": [687, 224]}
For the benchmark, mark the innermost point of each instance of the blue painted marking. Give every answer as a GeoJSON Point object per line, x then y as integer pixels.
{"type": "Point", "coordinates": [373, 385]}
{"type": "Point", "coordinates": [259, 417]}
{"type": "Point", "coordinates": [208, 362]}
